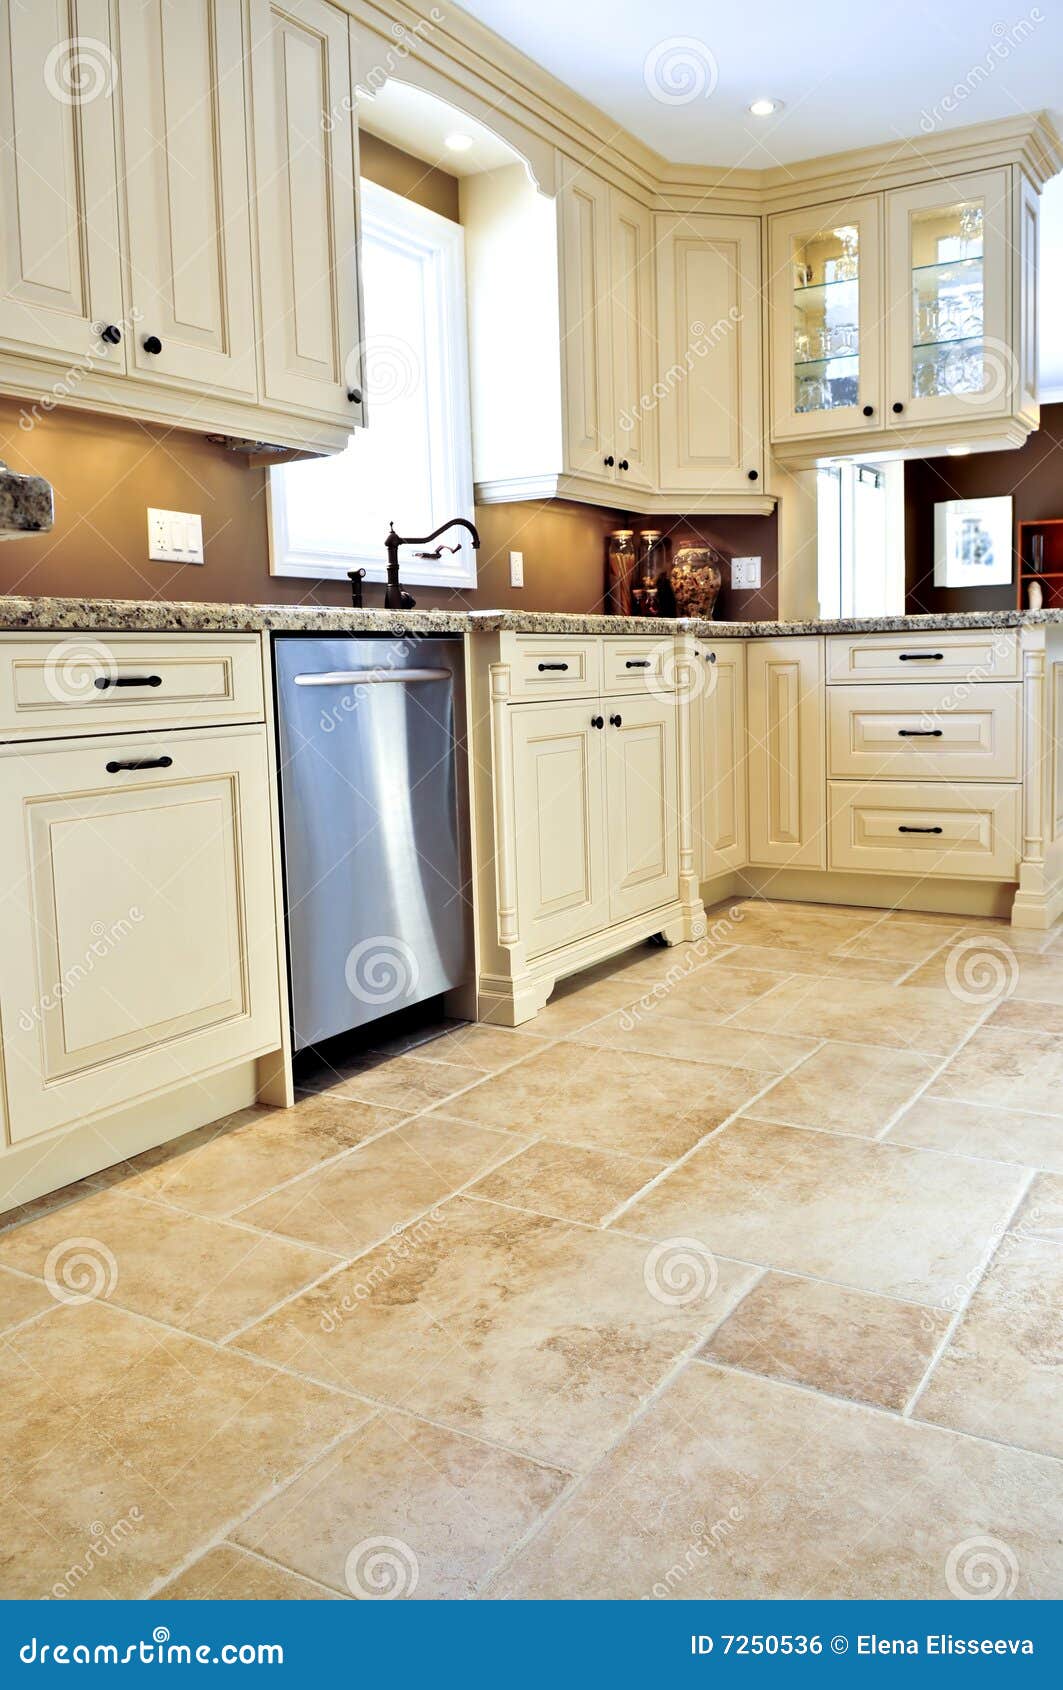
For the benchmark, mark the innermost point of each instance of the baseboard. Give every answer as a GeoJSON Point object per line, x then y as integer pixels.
{"type": "Point", "coordinates": [42, 1165]}
{"type": "Point", "coordinates": [978, 898]}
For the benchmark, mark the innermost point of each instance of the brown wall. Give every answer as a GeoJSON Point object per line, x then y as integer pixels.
{"type": "Point", "coordinates": [1033, 476]}
{"type": "Point", "coordinates": [390, 167]}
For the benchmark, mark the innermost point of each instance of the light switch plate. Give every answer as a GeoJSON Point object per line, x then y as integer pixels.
{"type": "Point", "coordinates": [175, 536]}
{"type": "Point", "coordinates": [516, 569]}
{"type": "Point", "coordinates": [745, 573]}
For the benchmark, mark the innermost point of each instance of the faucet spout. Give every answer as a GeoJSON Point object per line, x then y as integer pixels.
{"type": "Point", "coordinates": [394, 596]}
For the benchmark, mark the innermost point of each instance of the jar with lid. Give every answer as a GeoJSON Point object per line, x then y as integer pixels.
{"type": "Point", "coordinates": [620, 570]}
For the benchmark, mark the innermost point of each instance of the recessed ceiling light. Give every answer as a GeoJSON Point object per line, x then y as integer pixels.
{"type": "Point", "coordinates": [458, 143]}
{"type": "Point", "coordinates": [765, 108]}
{"type": "Point", "coordinates": [957, 451]}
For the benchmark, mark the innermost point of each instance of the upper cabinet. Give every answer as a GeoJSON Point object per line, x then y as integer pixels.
{"type": "Point", "coordinates": [907, 320]}
{"type": "Point", "coordinates": [178, 214]}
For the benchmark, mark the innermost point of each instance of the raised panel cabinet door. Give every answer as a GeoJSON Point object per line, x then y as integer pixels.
{"type": "Point", "coordinates": [306, 207]}
{"type": "Point", "coordinates": [709, 354]}
{"type": "Point", "coordinates": [187, 219]}
{"type": "Point", "coordinates": [60, 273]}
{"type": "Point", "coordinates": [586, 326]}
{"type": "Point", "coordinates": [951, 335]}
{"type": "Point", "coordinates": [825, 319]}
{"type": "Point", "coordinates": [634, 343]}
{"type": "Point", "coordinates": [721, 810]}
{"type": "Point", "coordinates": [787, 753]}
{"type": "Point", "coordinates": [141, 950]}
{"type": "Point", "coordinates": [559, 819]}
{"type": "Point", "coordinates": [642, 803]}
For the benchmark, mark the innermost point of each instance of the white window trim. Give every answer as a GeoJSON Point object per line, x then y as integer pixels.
{"type": "Point", "coordinates": [411, 228]}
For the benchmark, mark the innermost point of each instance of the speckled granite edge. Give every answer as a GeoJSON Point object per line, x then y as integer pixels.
{"type": "Point", "coordinates": [84, 616]}
{"type": "Point", "coordinates": [26, 504]}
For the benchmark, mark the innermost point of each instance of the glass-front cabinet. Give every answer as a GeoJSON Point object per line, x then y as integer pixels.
{"type": "Point", "coordinates": [826, 312]}
{"type": "Point", "coordinates": [949, 354]}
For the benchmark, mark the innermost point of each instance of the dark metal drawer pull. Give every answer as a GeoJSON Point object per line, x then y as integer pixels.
{"type": "Point", "coordinates": [103, 682]}
{"type": "Point", "coordinates": [543, 667]}
{"type": "Point", "coordinates": [919, 733]}
{"type": "Point", "coordinates": [920, 830]}
{"type": "Point", "coordinates": [140, 763]}
{"type": "Point", "coordinates": [921, 657]}
{"type": "Point", "coordinates": [616, 721]}
{"type": "Point", "coordinates": [637, 663]}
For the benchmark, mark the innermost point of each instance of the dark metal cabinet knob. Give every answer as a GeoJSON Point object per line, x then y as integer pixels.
{"type": "Point", "coordinates": [623, 464]}
{"type": "Point", "coordinates": [597, 721]}
{"type": "Point", "coordinates": [152, 344]}
{"type": "Point", "coordinates": [710, 657]}
{"type": "Point", "coordinates": [896, 407]}
{"type": "Point", "coordinates": [869, 410]}
{"type": "Point", "coordinates": [112, 334]}
{"type": "Point", "coordinates": [754, 475]}
{"type": "Point", "coordinates": [616, 721]}
{"type": "Point", "coordinates": [609, 461]}
{"type": "Point", "coordinates": [354, 394]}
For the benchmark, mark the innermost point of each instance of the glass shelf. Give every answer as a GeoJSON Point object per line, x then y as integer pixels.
{"type": "Point", "coordinates": [827, 287]}
{"type": "Point", "coordinates": [945, 264]}
{"type": "Point", "coordinates": [950, 340]}
{"type": "Point", "coordinates": [831, 358]}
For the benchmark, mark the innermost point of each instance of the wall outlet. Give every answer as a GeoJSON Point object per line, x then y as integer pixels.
{"type": "Point", "coordinates": [745, 573]}
{"type": "Point", "coordinates": [516, 569]}
{"type": "Point", "coordinates": [175, 536]}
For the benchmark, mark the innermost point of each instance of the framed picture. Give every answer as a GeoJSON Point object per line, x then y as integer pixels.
{"type": "Point", "coordinates": [972, 543]}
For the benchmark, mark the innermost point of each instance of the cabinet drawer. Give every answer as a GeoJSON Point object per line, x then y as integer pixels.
{"type": "Point", "coordinates": [991, 654]}
{"type": "Point", "coordinates": [926, 827]}
{"type": "Point", "coordinates": [51, 684]}
{"type": "Point", "coordinates": [555, 666]}
{"type": "Point", "coordinates": [637, 665]}
{"type": "Point", "coordinates": [925, 732]}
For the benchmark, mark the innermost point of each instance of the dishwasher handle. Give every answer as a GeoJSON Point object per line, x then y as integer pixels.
{"type": "Point", "coordinates": [369, 677]}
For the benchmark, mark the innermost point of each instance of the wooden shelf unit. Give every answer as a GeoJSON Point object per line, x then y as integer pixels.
{"type": "Point", "coordinates": [1052, 574]}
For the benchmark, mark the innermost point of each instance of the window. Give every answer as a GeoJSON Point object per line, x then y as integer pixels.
{"type": "Point", "coordinates": [861, 539]}
{"type": "Point", "coordinates": [412, 464]}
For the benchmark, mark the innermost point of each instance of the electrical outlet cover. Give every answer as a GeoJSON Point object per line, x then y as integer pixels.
{"type": "Point", "coordinates": [745, 573]}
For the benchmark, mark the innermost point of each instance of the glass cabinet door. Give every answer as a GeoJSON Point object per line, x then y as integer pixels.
{"type": "Point", "coordinates": [949, 355]}
{"type": "Point", "coordinates": [825, 319]}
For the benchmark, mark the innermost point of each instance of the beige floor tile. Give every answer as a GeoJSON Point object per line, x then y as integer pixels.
{"type": "Point", "coordinates": [16, 1213]}
{"type": "Point", "coordinates": [525, 1331]}
{"type": "Point", "coordinates": [1002, 1373]}
{"type": "Point", "coordinates": [228, 1574]}
{"type": "Point", "coordinates": [652, 965]}
{"type": "Point", "coordinates": [971, 1129]}
{"type": "Point", "coordinates": [360, 1199]}
{"type": "Point", "coordinates": [574, 1006]}
{"type": "Point", "coordinates": [709, 995]}
{"type": "Point", "coordinates": [207, 1276]}
{"type": "Point", "coordinates": [847, 1087]}
{"type": "Point", "coordinates": [848, 1343]}
{"type": "Point", "coordinates": [477, 1046]}
{"type": "Point", "coordinates": [652, 1031]}
{"type": "Point", "coordinates": [163, 1441]}
{"type": "Point", "coordinates": [1041, 1215]}
{"type": "Point", "coordinates": [827, 965]}
{"type": "Point", "coordinates": [610, 1100]}
{"type": "Point", "coordinates": [999, 1064]}
{"type": "Point", "coordinates": [1011, 1016]}
{"type": "Point", "coordinates": [797, 926]}
{"type": "Point", "coordinates": [404, 1509]}
{"type": "Point", "coordinates": [405, 1083]}
{"type": "Point", "coordinates": [737, 1487]}
{"type": "Point", "coordinates": [569, 1183]}
{"type": "Point", "coordinates": [223, 1167]}
{"type": "Point", "coordinates": [865, 1013]}
{"type": "Point", "coordinates": [990, 969]}
{"type": "Point", "coordinates": [904, 943]}
{"type": "Point", "coordinates": [21, 1298]}
{"type": "Point", "coordinates": [906, 1223]}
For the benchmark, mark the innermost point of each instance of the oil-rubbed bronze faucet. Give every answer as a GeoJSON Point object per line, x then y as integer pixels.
{"type": "Point", "coordinates": [395, 597]}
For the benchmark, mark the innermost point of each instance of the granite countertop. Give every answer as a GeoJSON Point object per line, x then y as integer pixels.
{"type": "Point", "coordinates": [26, 504]}
{"type": "Point", "coordinates": [81, 616]}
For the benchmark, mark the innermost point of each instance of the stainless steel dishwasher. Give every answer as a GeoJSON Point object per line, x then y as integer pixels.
{"type": "Point", "coordinates": [370, 735]}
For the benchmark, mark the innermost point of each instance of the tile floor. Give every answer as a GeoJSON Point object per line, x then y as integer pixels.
{"type": "Point", "coordinates": [738, 1272]}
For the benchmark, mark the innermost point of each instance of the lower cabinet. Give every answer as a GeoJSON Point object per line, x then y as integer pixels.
{"type": "Point", "coordinates": [720, 806]}
{"type": "Point", "coordinates": [787, 753]}
{"type": "Point", "coordinates": [140, 951]}
{"type": "Point", "coordinates": [641, 804]}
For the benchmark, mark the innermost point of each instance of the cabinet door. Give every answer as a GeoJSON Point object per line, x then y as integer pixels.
{"type": "Point", "coordinates": [184, 137]}
{"type": "Point", "coordinates": [950, 352]}
{"type": "Point", "coordinates": [708, 310]}
{"type": "Point", "coordinates": [60, 276]}
{"type": "Point", "coordinates": [306, 206]}
{"type": "Point", "coordinates": [634, 433]}
{"type": "Point", "coordinates": [141, 951]}
{"type": "Point", "coordinates": [559, 816]}
{"type": "Point", "coordinates": [642, 803]}
{"type": "Point", "coordinates": [787, 753]}
{"type": "Point", "coordinates": [826, 319]}
{"type": "Point", "coordinates": [721, 809]}
{"type": "Point", "coordinates": [585, 261]}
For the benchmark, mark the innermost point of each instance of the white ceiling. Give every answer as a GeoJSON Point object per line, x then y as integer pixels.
{"type": "Point", "coordinates": [419, 124]}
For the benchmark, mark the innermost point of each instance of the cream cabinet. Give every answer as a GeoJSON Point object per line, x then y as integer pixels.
{"type": "Point", "coordinates": [721, 750]}
{"type": "Point", "coordinates": [559, 821]}
{"type": "Point", "coordinates": [640, 741]}
{"type": "Point", "coordinates": [141, 954]}
{"type": "Point", "coordinates": [709, 363]}
{"type": "Point", "coordinates": [787, 753]}
{"type": "Point", "coordinates": [907, 320]}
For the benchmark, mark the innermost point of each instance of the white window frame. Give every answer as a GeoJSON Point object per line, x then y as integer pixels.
{"type": "Point", "coordinates": [839, 559]}
{"type": "Point", "coordinates": [440, 244]}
